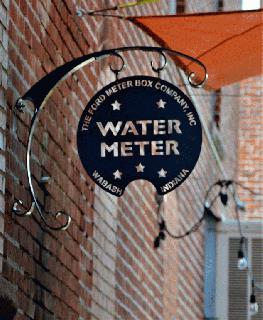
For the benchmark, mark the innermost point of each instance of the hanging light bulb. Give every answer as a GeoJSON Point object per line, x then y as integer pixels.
{"type": "Point", "coordinates": [162, 235]}
{"type": "Point", "coordinates": [253, 305]}
{"type": "Point", "coordinates": [242, 263]}
{"type": "Point", "coordinates": [240, 204]}
{"type": "Point", "coordinates": [223, 197]}
{"type": "Point", "coordinates": [162, 225]}
{"type": "Point", "coordinates": [156, 243]}
{"type": "Point", "coordinates": [207, 204]}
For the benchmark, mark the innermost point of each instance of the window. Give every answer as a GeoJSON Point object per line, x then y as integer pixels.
{"type": "Point", "coordinates": [172, 7]}
{"type": "Point", "coordinates": [250, 4]}
{"type": "Point", "coordinates": [233, 286]}
{"type": "Point", "coordinates": [180, 6]}
{"type": "Point", "coordinates": [220, 5]}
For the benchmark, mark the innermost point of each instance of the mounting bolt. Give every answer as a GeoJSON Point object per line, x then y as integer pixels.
{"type": "Point", "coordinates": [80, 12]}
{"type": "Point", "coordinates": [45, 180]}
{"type": "Point", "coordinates": [16, 206]}
{"type": "Point", "coordinates": [20, 105]}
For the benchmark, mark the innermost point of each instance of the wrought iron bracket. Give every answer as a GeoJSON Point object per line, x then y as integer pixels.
{"type": "Point", "coordinates": [43, 89]}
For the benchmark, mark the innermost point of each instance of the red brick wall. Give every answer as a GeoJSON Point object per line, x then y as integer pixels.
{"type": "Point", "coordinates": [3, 96]}
{"type": "Point", "coordinates": [104, 266]}
{"type": "Point", "coordinates": [52, 270]}
{"type": "Point", "coordinates": [250, 168]}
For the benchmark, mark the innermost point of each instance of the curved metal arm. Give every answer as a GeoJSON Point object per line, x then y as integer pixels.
{"type": "Point", "coordinates": [42, 90]}
{"type": "Point", "coordinates": [116, 71]}
{"type": "Point", "coordinates": [163, 66]}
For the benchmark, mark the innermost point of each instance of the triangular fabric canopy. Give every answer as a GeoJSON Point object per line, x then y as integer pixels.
{"type": "Point", "coordinates": [228, 43]}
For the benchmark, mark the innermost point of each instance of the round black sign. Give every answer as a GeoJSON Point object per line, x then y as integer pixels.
{"type": "Point", "coordinates": [139, 128]}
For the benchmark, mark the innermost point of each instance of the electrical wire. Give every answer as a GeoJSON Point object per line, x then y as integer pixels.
{"type": "Point", "coordinates": [222, 186]}
{"type": "Point", "coordinates": [248, 189]}
{"type": "Point", "coordinates": [207, 206]}
{"type": "Point", "coordinates": [80, 12]}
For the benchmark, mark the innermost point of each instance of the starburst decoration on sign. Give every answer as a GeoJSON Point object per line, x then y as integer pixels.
{"type": "Point", "coordinates": [116, 105]}
{"type": "Point", "coordinates": [162, 173]}
{"type": "Point", "coordinates": [117, 174]}
{"type": "Point", "coordinates": [161, 104]}
{"type": "Point", "coordinates": [140, 168]}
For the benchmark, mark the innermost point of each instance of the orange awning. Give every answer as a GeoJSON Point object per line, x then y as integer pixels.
{"type": "Point", "coordinates": [228, 43]}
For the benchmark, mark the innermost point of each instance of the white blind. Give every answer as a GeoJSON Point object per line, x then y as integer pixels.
{"type": "Point", "coordinates": [237, 285]}
{"type": "Point", "coordinates": [257, 267]}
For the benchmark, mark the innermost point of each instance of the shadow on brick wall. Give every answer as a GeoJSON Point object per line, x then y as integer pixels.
{"type": "Point", "coordinates": [7, 309]}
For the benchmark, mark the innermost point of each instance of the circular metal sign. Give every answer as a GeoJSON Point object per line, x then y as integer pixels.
{"type": "Point", "coordinates": [139, 128]}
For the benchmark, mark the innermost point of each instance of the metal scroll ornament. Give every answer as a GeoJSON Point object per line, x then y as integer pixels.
{"type": "Point", "coordinates": [139, 128]}
{"type": "Point", "coordinates": [136, 128]}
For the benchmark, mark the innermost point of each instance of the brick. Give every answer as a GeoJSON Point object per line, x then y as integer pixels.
{"type": "Point", "coordinates": [104, 266]}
